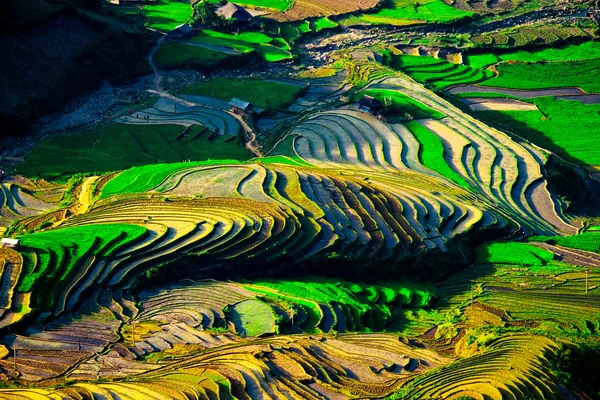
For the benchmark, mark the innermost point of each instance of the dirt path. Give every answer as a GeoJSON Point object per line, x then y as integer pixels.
{"type": "Point", "coordinates": [525, 94]}
{"type": "Point", "coordinates": [85, 195]}
{"type": "Point", "coordinates": [157, 75]}
{"type": "Point", "coordinates": [251, 142]}
{"type": "Point", "coordinates": [572, 256]}
{"type": "Point", "coordinates": [485, 104]}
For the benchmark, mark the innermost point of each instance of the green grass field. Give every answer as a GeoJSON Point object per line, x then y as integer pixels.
{"type": "Point", "coordinates": [402, 103]}
{"type": "Point", "coordinates": [542, 75]}
{"type": "Point", "coordinates": [319, 24]}
{"type": "Point", "coordinates": [572, 52]}
{"type": "Point", "coordinates": [167, 14]}
{"type": "Point", "coordinates": [437, 73]}
{"type": "Point", "coordinates": [365, 307]}
{"type": "Point", "coordinates": [60, 249]}
{"type": "Point", "coordinates": [245, 42]}
{"type": "Point", "coordinates": [252, 318]}
{"type": "Point", "coordinates": [588, 241]}
{"type": "Point", "coordinates": [144, 178]}
{"type": "Point", "coordinates": [431, 153]}
{"type": "Point", "coordinates": [512, 253]}
{"type": "Point", "coordinates": [550, 127]}
{"type": "Point", "coordinates": [405, 12]}
{"type": "Point", "coordinates": [262, 93]}
{"type": "Point", "coordinates": [173, 54]}
{"type": "Point", "coordinates": [279, 5]}
{"type": "Point", "coordinates": [121, 146]}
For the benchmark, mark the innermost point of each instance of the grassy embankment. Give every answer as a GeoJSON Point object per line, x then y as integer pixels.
{"type": "Point", "coordinates": [121, 146]}
{"type": "Point", "coordinates": [265, 94]}
{"type": "Point", "coordinates": [409, 12]}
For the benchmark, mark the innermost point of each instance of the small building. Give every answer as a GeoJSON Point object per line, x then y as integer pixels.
{"type": "Point", "coordinates": [233, 11]}
{"type": "Point", "coordinates": [370, 105]}
{"type": "Point", "coordinates": [182, 32]}
{"type": "Point", "coordinates": [241, 107]}
{"type": "Point", "coordinates": [9, 243]}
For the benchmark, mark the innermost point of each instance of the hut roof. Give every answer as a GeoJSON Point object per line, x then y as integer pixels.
{"type": "Point", "coordinates": [230, 10]}
{"type": "Point", "coordinates": [241, 104]}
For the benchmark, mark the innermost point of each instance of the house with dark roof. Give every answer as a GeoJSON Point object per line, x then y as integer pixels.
{"type": "Point", "coordinates": [369, 104]}
{"type": "Point", "coordinates": [182, 32]}
{"type": "Point", "coordinates": [240, 107]}
{"type": "Point", "coordinates": [233, 11]}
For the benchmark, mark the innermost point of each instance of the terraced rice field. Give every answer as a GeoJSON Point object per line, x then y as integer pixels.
{"type": "Point", "coordinates": [98, 300]}
{"type": "Point", "coordinates": [301, 10]}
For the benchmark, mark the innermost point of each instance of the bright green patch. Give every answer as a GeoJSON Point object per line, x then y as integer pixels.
{"type": "Point", "coordinates": [303, 27]}
{"type": "Point", "coordinates": [440, 74]}
{"type": "Point", "coordinates": [142, 179]}
{"type": "Point", "coordinates": [262, 93]}
{"type": "Point", "coordinates": [363, 307]}
{"type": "Point", "coordinates": [543, 75]}
{"type": "Point", "coordinates": [246, 42]}
{"type": "Point", "coordinates": [273, 53]}
{"type": "Point", "coordinates": [279, 5]}
{"type": "Point", "coordinates": [174, 54]}
{"type": "Point", "coordinates": [431, 153]}
{"type": "Point", "coordinates": [404, 12]}
{"type": "Point", "coordinates": [296, 162]}
{"type": "Point", "coordinates": [550, 127]}
{"type": "Point", "coordinates": [252, 318]}
{"type": "Point", "coordinates": [319, 24]}
{"type": "Point", "coordinates": [250, 37]}
{"type": "Point", "coordinates": [572, 52]}
{"type": "Point", "coordinates": [166, 15]}
{"type": "Point", "coordinates": [588, 241]}
{"type": "Point", "coordinates": [512, 253]}
{"type": "Point", "coordinates": [403, 103]}
{"type": "Point", "coordinates": [121, 146]}
{"type": "Point", "coordinates": [60, 250]}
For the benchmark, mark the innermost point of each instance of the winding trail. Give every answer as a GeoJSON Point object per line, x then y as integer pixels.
{"type": "Point", "coordinates": [251, 143]}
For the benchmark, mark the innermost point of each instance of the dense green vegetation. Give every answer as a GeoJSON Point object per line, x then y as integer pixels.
{"type": "Point", "coordinates": [265, 94]}
{"type": "Point", "coordinates": [167, 14]}
{"type": "Point", "coordinates": [548, 127]}
{"type": "Point", "coordinates": [541, 75]}
{"type": "Point", "coordinates": [431, 153]}
{"type": "Point", "coordinates": [120, 146]}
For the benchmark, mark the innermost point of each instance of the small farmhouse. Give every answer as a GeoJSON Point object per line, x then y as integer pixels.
{"type": "Point", "coordinates": [240, 107]}
{"type": "Point", "coordinates": [182, 32]}
{"type": "Point", "coordinates": [370, 105]}
{"type": "Point", "coordinates": [9, 243]}
{"type": "Point", "coordinates": [233, 11]}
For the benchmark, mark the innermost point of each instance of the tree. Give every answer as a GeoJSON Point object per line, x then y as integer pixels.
{"type": "Point", "coordinates": [205, 15]}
